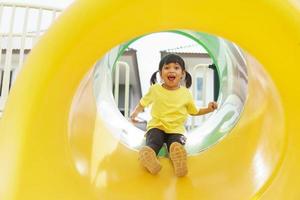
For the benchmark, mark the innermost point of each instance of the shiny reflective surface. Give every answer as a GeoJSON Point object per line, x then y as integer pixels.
{"type": "Point", "coordinates": [115, 140]}
{"type": "Point", "coordinates": [114, 165]}
{"type": "Point", "coordinates": [119, 126]}
{"type": "Point", "coordinates": [259, 159]}
{"type": "Point", "coordinates": [231, 66]}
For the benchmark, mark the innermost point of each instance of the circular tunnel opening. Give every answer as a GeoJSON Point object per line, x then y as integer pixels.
{"type": "Point", "coordinates": [221, 76]}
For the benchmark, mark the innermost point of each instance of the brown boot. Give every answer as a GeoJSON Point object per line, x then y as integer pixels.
{"type": "Point", "coordinates": [178, 157]}
{"type": "Point", "coordinates": [149, 160]}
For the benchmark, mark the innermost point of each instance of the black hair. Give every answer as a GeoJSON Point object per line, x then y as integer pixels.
{"type": "Point", "coordinates": [172, 58]}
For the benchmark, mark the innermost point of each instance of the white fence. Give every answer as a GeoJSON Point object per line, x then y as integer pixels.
{"type": "Point", "coordinates": [21, 25]}
{"type": "Point", "coordinates": [202, 92]}
{"type": "Point", "coordinates": [127, 85]}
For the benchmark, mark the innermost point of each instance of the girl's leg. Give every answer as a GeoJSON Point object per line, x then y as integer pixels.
{"type": "Point", "coordinates": [147, 155]}
{"type": "Point", "coordinates": [155, 139]}
{"type": "Point", "coordinates": [177, 153]}
{"type": "Point", "coordinates": [175, 138]}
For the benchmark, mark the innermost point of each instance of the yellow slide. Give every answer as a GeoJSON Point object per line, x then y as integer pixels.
{"type": "Point", "coordinates": [46, 154]}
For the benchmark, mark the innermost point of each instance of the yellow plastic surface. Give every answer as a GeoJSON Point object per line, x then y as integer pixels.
{"type": "Point", "coordinates": [259, 159]}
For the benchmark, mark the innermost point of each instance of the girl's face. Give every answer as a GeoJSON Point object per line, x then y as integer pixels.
{"type": "Point", "coordinates": [172, 74]}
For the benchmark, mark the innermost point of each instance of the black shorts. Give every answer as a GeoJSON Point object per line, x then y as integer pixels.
{"type": "Point", "coordinates": [155, 138]}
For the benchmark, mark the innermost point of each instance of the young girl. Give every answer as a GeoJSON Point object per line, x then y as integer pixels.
{"type": "Point", "coordinates": [171, 104]}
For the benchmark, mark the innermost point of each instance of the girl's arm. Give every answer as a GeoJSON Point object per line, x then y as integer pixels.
{"type": "Point", "coordinates": [210, 108]}
{"type": "Point", "coordinates": [139, 108]}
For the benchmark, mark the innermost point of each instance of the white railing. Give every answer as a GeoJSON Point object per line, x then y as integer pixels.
{"type": "Point", "coordinates": [204, 68]}
{"type": "Point", "coordinates": [21, 25]}
{"type": "Point", "coordinates": [127, 84]}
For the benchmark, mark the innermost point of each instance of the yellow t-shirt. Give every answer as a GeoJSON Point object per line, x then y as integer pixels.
{"type": "Point", "coordinates": [170, 108]}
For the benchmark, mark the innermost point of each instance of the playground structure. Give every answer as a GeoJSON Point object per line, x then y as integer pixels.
{"type": "Point", "coordinates": [258, 159]}
{"type": "Point", "coordinates": [21, 26]}
{"type": "Point", "coordinates": [233, 78]}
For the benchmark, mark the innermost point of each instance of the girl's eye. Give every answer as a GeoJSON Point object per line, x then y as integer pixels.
{"type": "Point", "coordinates": [177, 68]}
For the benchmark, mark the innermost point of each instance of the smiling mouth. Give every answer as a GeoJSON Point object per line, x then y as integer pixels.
{"type": "Point", "coordinates": [171, 78]}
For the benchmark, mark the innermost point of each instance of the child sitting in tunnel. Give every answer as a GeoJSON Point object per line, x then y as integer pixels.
{"type": "Point", "coordinates": [171, 104]}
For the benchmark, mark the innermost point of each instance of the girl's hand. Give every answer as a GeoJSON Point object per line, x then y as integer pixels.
{"type": "Point", "coordinates": [133, 116]}
{"type": "Point", "coordinates": [212, 106]}
{"type": "Point", "coordinates": [139, 108]}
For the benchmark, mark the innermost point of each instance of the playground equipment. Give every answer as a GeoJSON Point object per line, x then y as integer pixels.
{"type": "Point", "coordinates": [258, 159]}
{"type": "Point", "coordinates": [233, 79]}
{"type": "Point", "coordinates": [21, 25]}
